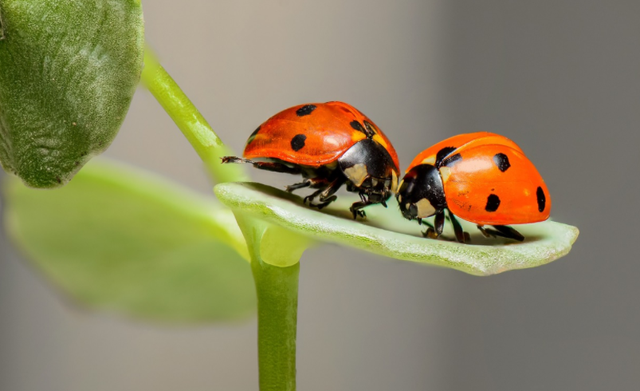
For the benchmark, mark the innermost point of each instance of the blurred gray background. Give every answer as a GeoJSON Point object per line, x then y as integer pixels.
{"type": "Point", "coordinates": [561, 78]}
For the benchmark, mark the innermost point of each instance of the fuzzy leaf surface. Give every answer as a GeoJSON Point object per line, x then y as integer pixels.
{"type": "Point", "coordinates": [68, 72]}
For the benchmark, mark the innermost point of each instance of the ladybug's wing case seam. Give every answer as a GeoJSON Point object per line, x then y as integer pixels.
{"type": "Point", "coordinates": [317, 138]}
{"type": "Point", "coordinates": [459, 143]}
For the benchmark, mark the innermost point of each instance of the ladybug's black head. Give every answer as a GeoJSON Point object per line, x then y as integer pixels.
{"type": "Point", "coordinates": [370, 170]}
{"type": "Point", "coordinates": [421, 192]}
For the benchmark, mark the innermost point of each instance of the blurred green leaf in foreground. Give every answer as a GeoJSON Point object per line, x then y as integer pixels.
{"type": "Point", "coordinates": [125, 241]}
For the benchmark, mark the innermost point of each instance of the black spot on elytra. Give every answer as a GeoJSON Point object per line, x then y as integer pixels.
{"type": "Point", "coordinates": [358, 126]}
{"type": "Point", "coordinates": [502, 161]}
{"type": "Point", "coordinates": [297, 142]}
{"type": "Point", "coordinates": [451, 160]}
{"type": "Point", "coordinates": [442, 154]}
{"type": "Point", "coordinates": [542, 199]}
{"type": "Point", "coordinates": [493, 202]}
{"type": "Point", "coordinates": [305, 110]}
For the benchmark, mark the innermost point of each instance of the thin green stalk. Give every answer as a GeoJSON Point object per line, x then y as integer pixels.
{"type": "Point", "coordinates": [276, 286]}
{"type": "Point", "coordinates": [277, 289]}
{"type": "Point", "coordinates": [192, 124]}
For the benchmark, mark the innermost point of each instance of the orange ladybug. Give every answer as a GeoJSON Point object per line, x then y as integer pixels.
{"type": "Point", "coordinates": [330, 144]}
{"type": "Point", "coordinates": [481, 177]}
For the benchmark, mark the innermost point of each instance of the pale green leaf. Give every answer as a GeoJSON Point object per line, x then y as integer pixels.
{"type": "Point", "coordinates": [386, 232]}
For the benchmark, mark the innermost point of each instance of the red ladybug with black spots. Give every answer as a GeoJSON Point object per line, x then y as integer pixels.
{"type": "Point", "coordinates": [481, 177]}
{"type": "Point", "coordinates": [330, 144]}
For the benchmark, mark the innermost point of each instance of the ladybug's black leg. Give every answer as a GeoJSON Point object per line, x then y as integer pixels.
{"type": "Point", "coordinates": [486, 233]}
{"type": "Point", "coordinates": [421, 221]}
{"type": "Point", "coordinates": [316, 183]}
{"type": "Point", "coordinates": [428, 224]}
{"type": "Point", "coordinates": [501, 230]}
{"type": "Point", "coordinates": [234, 159]}
{"type": "Point", "coordinates": [356, 207]}
{"type": "Point", "coordinates": [438, 222]}
{"type": "Point", "coordinates": [327, 196]}
{"type": "Point", "coordinates": [433, 232]}
{"type": "Point", "coordinates": [430, 232]}
{"type": "Point", "coordinates": [309, 199]}
{"type": "Point", "coordinates": [296, 186]}
{"type": "Point", "coordinates": [507, 232]}
{"type": "Point", "coordinates": [269, 166]}
{"type": "Point", "coordinates": [326, 202]}
{"type": "Point", "coordinates": [277, 167]}
{"type": "Point", "coordinates": [324, 193]}
{"type": "Point", "coordinates": [461, 236]}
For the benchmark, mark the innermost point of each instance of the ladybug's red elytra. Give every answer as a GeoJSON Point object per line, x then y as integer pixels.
{"type": "Point", "coordinates": [330, 144]}
{"type": "Point", "coordinates": [481, 177]}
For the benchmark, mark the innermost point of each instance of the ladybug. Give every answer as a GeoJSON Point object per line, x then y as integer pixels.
{"type": "Point", "coordinates": [481, 177]}
{"type": "Point", "coordinates": [330, 144]}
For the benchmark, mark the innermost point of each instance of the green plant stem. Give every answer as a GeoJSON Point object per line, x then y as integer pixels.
{"type": "Point", "coordinates": [277, 289]}
{"type": "Point", "coordinates": [192, 124]}
{"type": "Point", "coordinates": [275, 255]}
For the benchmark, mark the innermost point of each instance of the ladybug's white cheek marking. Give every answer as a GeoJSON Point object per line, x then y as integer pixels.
{"type": "Point", "coordinates": [445, 172]}
{"type": "Point", "coordinates": [357, 173]}
{"type": "Point", "coordinates": [430, 160]}
{"type": "Point", "coordinates": [425, 209]}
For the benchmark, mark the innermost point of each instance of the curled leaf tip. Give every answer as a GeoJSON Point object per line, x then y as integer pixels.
{"type": "Point", "coordinates": [387, 233]}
